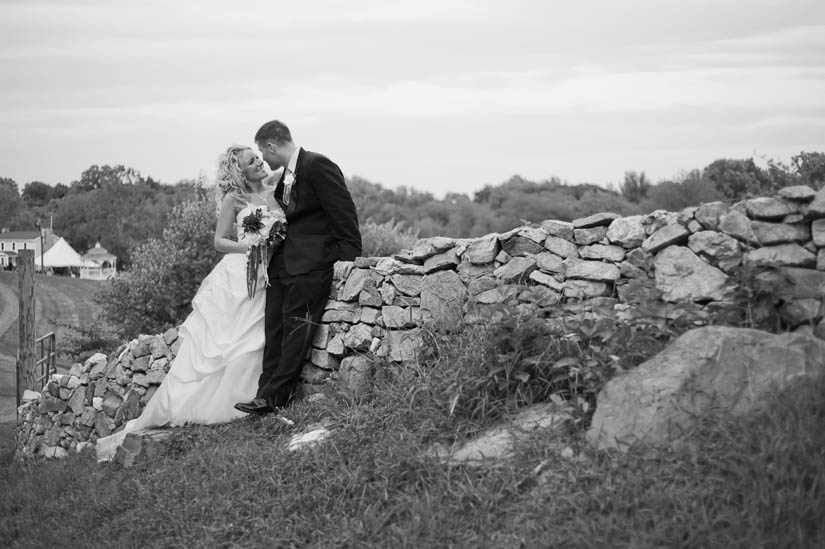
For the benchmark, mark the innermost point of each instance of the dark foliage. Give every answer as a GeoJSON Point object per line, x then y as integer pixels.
{"type": "Point", "coordinates": [156, 293]}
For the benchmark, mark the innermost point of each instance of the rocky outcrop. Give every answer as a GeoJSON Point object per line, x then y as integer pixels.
{"type": "Point", "coordinates": [383, 307]}
{"type": "Point", "coordinates": [720, 368]}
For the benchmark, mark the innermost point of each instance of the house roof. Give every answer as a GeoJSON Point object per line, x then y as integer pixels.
{"type": "Point", "coordinates": [20, 235]}
{"type": "Point", "coordinates": [49, 240]}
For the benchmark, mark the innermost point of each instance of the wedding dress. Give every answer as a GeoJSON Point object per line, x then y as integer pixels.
{"type": "Point", "coordinates": [220, 357]}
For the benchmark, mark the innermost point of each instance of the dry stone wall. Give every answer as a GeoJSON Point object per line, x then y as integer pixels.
{"type": "Point", "coordinates": [382, 307]}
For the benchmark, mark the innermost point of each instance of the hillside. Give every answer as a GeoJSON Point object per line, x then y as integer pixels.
{"type": "Point", "coordinates": [58, 299]}
{"type": "Point", "coordinates": [739, 483]}
{"type": "Point", "coordinates": [381, 478]}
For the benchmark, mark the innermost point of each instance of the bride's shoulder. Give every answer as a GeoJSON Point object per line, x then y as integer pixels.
{"type": "Point", "coordinates": [233, 202]}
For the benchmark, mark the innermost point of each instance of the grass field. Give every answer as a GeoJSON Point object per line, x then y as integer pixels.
{"type": "Point", "coordinates": [734, 483]}
{"type": "Point", "coordinates": [752, 482]}
{"type": "Point", "coordinates": [58, 298]}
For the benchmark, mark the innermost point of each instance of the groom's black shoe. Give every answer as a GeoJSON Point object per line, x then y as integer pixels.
{"type": "Point", "coordinates": [255, 406]}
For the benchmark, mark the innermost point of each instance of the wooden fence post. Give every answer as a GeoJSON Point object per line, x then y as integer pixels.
{"type": "Point", "coordinates": [26, 374]}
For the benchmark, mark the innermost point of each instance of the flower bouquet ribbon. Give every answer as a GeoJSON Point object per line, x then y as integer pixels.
{"type": "Point", "coordinates": [264, 230]}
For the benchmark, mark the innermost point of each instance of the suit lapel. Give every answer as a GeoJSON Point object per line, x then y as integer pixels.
{"type": "Point", "coordinates": [293, 194]}
{"type": "Point", "coordinates": [279, 192]}
{"type": "Point", "coordinates": [300, 161]}
{"type": "Point", "coordinates": [293, 200]}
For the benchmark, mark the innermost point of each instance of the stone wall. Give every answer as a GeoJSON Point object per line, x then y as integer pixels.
{"type": "Point", "coordinates": [380, 306]}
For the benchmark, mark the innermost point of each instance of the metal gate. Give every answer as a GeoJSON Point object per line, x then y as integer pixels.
{"type": "Point", "coordinates": [46, 363]}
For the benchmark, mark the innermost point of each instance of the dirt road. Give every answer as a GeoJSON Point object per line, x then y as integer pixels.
{"type": "Point", "coordinates": [8, 308]}
{"type": "Point", "coordinates": [8, 383]}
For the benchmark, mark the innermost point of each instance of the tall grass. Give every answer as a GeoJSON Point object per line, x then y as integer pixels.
{"type": "Point", "coordinates": [386, 239]}
{"type": "Point", "coordinates": [753, 482]}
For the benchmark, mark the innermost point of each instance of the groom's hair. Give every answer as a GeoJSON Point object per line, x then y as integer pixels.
{"type": "Point", "coordinates": [274, 130]}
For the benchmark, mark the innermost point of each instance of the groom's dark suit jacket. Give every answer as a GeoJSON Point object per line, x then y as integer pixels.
{"type": "Point", "coordinates": [322, 224]}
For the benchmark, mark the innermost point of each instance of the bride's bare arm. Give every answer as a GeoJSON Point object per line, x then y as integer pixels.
{"type": "Point", "coordinates": [223, 230]}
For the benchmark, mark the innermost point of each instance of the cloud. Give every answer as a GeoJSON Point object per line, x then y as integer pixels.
{"type": "Point", "coordinates": [633, 79]}
{"type": "Point", "coordinates": [770, 89]}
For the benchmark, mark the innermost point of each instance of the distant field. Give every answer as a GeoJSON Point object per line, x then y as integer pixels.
{"type": "Point", "coordinates": [57, 299]}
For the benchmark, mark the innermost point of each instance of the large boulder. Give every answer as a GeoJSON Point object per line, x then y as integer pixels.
{"type": "Point", "coordinates": [628, 232]}
{"type": "Point", "coordinates": [443, 296]}
{"type": "Point", "coordinates": [666, 236]}
{"type": "Point", "coordinates": [355, 376]}
{"type": "Point", "coordinates": [682, 276]}
{"type": "Point", "coordinates": [722, 368]}
{"type": "Point", "coordinates": [720, 249]}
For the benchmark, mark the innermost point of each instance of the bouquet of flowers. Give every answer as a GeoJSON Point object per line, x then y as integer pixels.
{"type": "Point", "coordinates": [264, 230]}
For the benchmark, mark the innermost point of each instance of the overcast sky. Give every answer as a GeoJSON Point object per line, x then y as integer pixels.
{"type": "Point", "coordinates": [438, 95]}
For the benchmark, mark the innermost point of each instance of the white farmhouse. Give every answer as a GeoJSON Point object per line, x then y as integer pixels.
{"type": "Point", "coordinates": [11, 242]}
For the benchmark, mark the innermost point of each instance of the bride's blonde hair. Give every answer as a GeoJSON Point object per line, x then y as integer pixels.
{"type": "Point", "coordinates": [230, 177]}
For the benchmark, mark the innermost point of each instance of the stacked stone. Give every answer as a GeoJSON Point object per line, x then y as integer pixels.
{"type": "Point", "coordinates": [688, 256]}
{"type": "Point", "coordinates": [384, 306]}
{"type": "Point", "coordinates": [94, 398]}
{"type": "Point", "coordinates": [711, 242]}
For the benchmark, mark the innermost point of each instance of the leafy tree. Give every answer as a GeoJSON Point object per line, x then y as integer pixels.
{"type": "Point", "coordinates": [810, 167]}
{"type": "Point", "coordinates": [739, 178]}
{"type": "Point", "coordinates": [465, 217]}
{"type": "Point", "coordinates": [118, 215]}
{"type": "Point", "coordinates": [98, 177]}
{"type": "Point", "coordinates": [499, 208]}
{"type": "Point", "coordinates": [781, 175]}
{"type": "Point", "coordinates": [10, 201]}
{"type": "Point", "coordinates": [59, 191]}
{"type": "Point", "coordinates": [518, 201]}
{"type": "Point", "coordinates": [690, 189]}
{"type": "Point", "coordinates": [25, 220]}
{"type": "Point", "coordinates": [597, 199]}
{"type": "Point", "coordinates": [495, 195]}
{"type": "Point", "coordinates": [166, 272]}
{"type": "Point", "coordinates": [37, 193]}
{"type": "Point", "coordinates": [635, 186]}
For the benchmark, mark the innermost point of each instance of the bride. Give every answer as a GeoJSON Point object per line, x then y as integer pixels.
{"type": "Point", "coordinates": [219, 360]}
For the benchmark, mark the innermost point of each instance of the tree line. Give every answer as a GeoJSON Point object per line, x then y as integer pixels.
{"type": "Point", "coordinates": [163, 233]}
{"type": "Point", "coordinates": [113, 205]}
{"type": "Point", "coordinates": [518, 201]}
{"type": "Point", "coordinates": [120, 208]}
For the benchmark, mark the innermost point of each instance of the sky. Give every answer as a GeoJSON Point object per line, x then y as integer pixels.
{"type": "Point", "coordinates": [436, 95]}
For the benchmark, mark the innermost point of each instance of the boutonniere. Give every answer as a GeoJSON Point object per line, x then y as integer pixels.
{"type": "Point", "coordinates": [289, 181]}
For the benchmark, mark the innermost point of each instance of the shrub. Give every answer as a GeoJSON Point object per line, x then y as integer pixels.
{"type": "Point", "coordinates": [79, 342]}
{"type": "Point", "coordinates": [385, 239]}
{"type": "Point", "coordinates": [166, 273]}
{"type": "Point", "coordinates": [689, 189]}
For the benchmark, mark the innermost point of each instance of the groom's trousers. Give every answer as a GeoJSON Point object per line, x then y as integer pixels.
{"type": "Point", "coordinates": [294, 307]}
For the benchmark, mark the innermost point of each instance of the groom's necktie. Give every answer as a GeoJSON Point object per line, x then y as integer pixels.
{"type": "Point", "coordinates": [289, 181]}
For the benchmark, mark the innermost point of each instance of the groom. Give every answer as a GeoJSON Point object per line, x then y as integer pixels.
{"type": "Point", "coordinates": [322, 228]}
